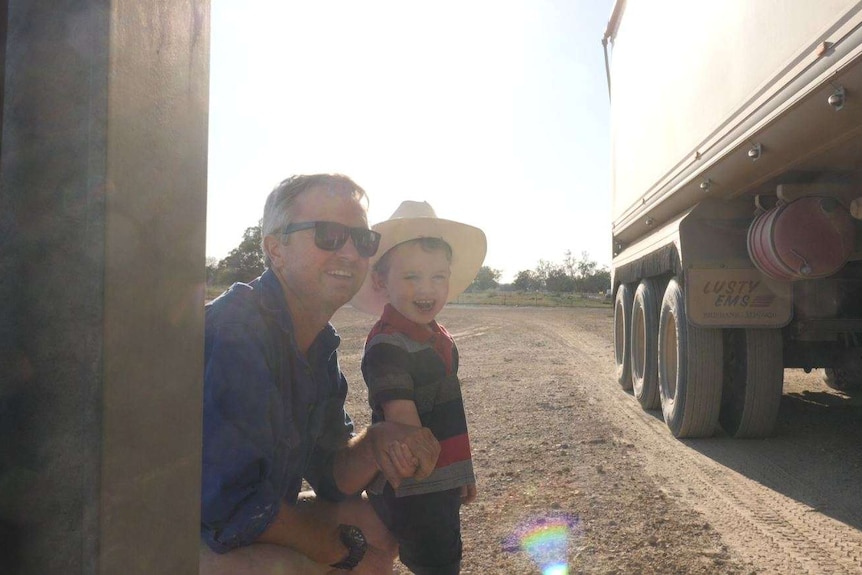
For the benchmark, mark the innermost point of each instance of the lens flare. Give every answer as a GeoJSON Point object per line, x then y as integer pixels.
{"type": "Point", "coordinates": [546, 541]}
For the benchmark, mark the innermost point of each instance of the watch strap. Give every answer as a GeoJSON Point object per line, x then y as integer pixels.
{"type": "Point", "coordinates": [351, 537]}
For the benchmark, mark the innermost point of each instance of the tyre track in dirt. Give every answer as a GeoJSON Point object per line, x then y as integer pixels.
{"type": "Point", "coordinates": [775, 532]}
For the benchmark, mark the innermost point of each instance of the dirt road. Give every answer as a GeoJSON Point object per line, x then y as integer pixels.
{"type": "Point", "coordinates": [563, 455]}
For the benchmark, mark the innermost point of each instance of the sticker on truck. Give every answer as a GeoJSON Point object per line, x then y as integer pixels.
{"type": "Point", "coordinates": [736, 298]}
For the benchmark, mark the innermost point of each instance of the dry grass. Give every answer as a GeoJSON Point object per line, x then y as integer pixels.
{"type": "Point", "coordinates": [494, 297]}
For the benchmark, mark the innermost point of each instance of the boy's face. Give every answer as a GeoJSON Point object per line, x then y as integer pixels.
{"type": "Point", "coordinates": [417, 283]}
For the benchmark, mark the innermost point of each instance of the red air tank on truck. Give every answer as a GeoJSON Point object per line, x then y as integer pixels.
{"type": "Point", "coordinates": [737, 198]}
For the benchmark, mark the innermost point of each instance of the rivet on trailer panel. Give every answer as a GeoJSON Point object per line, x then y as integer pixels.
{"type": "Point", "coordinates": [754, 152]}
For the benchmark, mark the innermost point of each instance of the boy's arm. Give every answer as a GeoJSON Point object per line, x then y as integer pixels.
{"type": "Point", "coordinates": [386, 368]}
{"type": "Point", "coordinates": [387, 361]}
{"type": "Point", "coordinates": [401, 411]}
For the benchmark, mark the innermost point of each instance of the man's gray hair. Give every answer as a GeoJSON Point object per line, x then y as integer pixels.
{"type": "Point", "coordinates": [277, 210]}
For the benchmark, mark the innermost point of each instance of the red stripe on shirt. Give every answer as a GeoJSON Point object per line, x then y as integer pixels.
{"type": "Point", "coordinates": [453, 450]}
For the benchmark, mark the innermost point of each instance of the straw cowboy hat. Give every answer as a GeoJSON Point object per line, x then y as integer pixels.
{"type": "Point", "coordinates": [413, 220]}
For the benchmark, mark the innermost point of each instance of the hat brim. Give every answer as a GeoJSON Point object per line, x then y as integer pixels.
{"type": "Point", "coordinates": [468, 244]}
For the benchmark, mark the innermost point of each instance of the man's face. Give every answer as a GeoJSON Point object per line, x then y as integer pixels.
{"type": "Point", "coordinates": [314, 280]}
{"type": "Point", "coordinates": [417, 282]}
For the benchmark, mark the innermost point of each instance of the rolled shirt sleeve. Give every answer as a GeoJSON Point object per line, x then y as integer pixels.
{"type": "Point", "coordinates": [386, 369]}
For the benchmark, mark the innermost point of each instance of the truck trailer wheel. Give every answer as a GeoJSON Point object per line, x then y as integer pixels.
{"type": "Point", "coordinates": [753, 380]}
{"type": "Point", "coordinates": [622, 336]}
{"type": "Point", "coordinates": [689, 369]}
{"type": "Point", "coordinates": [644, 344]}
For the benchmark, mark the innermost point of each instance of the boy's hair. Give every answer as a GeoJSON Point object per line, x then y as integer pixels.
{"type": "Point", "coordinates": [381, 266]}
{"type": "Point", "coordinates": [277, 212]}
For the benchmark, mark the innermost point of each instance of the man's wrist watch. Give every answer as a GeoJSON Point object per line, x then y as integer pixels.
{"type": "Point", "coordinates": [351, 537]}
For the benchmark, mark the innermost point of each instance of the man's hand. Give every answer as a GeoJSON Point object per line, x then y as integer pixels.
{"type": "Point", "coordinates": [404, 451]}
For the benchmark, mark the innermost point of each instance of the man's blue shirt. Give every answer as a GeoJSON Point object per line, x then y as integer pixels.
{"type": "Point", "coordinates": [271, 417]}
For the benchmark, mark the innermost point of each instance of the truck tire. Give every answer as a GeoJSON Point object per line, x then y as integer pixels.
{"type": "Point", "coordinates": [644, 344]}
{"type": "Point", "coordinates": [689, 369]}
{"type": "Point", "coordinates": [842, 379]}
{"type": "Point", "coordinates": [753, 381]}
{"type": "Point", "coordinates": [622, 336]}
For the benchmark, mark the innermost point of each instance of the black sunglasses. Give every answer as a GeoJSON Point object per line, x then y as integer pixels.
{"type": "Point", "coordinates": [331, 236]}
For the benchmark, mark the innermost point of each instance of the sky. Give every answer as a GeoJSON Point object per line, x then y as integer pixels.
{"type": "Point", "coordinates": [495, 112]}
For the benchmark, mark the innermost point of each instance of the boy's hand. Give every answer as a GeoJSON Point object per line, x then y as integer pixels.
{"type": "Point", "coordinates": [468, 493]}
{"type": "Point", "coordinates": [403, 459]}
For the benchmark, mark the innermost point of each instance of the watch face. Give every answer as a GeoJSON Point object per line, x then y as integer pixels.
{"type": "Point", "coordinates": [354, 535]}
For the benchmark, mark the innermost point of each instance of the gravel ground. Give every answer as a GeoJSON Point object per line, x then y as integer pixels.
{"type": "Point", "coordinates": [571, 472]}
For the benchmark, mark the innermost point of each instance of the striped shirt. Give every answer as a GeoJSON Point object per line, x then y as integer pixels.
{"type": "Point", "coordinates": [403, 360]}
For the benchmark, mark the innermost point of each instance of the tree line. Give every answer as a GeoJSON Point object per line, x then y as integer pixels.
{"type": "Point", "coordinates": [574, 275]}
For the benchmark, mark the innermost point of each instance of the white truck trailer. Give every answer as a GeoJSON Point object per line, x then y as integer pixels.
{"type": "Point", "coordinates": [737, 193]}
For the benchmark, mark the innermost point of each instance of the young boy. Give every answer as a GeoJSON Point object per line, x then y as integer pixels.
{"type": "Point", "coordinates": [410, 366]}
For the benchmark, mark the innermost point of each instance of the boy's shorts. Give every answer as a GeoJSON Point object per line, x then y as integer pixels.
{"type": "Point", "coordinates": [427, 527]}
